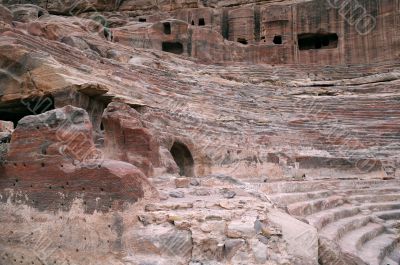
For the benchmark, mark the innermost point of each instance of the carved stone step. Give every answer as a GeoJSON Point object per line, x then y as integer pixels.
{"type": "Point", "coordinates": [389, 215]}
{"type": "Point", "coordinates": [353, 241]}
{"type": "Point", "coordinates": [338, 229]}
{"type": "Point", "coordinates": [392, 258]}
{"type": "Point", "coordinates": [313, 206]}
{"type": "Point", "coordinates": [385, 206]}
{"type": "Point", "coordinates": [287, 198]}
{"type": "Point", "coordinates": [374, 198]}
{"type": "Point", "coordinates": [346, 186]}
{"type": "Point", "coordinates": [376, 249]}
{"type": "Point", "coordinates": [323, 218]}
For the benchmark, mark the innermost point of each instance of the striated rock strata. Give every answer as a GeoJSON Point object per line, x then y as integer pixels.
{"type": "Point", "coordinates": [199, 132]}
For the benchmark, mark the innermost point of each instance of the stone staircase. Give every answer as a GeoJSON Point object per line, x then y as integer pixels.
{"type": "Point", "coordinates": [214, 220]}
{"type": "Point", "coordinates": [358, 221]}
{"type": "Point", "coordinates": [208, 220]}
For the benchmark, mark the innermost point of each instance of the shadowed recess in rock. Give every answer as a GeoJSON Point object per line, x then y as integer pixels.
{"type": "Point", "coordinates": [167, 28]}
{"type": "Point", "coordinates": [310, 41]}
{"type": "Point", "coordinates": [183, 158]}
{"type": "Point", "coordinates": [172, 47]}
{"type": "Point", "coordinates": [15, 111]}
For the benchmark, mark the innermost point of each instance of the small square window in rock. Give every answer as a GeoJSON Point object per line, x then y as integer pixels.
{"type": "Point", "coordinates": [202, 22]}
{"type": "Point", "coordinates": [277, 39]}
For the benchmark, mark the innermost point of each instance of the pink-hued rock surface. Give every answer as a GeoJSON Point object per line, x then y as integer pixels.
{"type": "Point", "coordinates": [126, 139]}
{"type": "Point", "coordinates": [199, 132]}
{"type": "Point", "coordinates": [53, 153]}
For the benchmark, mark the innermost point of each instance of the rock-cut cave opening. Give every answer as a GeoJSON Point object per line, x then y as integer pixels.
{"type": "Point", "coordinates": [172, 47]}
{"type": "Point", "coordinates": [277, 39]}
{"type": "Point", "coordinates": [15, 111]}
{"type": "Point", "coordinates": [242, 41]}
{"type": "Point", "coordinates": [167, 28]}
{"type": "Point", "coordinates": [202, 22]}
{"type": "Point", "coordinates": [183, 158]}
{"type": "Point", "coordinates": [308, 41]}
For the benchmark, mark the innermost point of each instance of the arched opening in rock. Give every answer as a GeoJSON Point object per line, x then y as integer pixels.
{"type": "Point", "coordinates": [192, 23]}
{"type": "Point", "coordinates": [242, 41]}
{"type": "Point", "coordinates": [107, 34]}
{"type": "Point", "coordinates": [183, 158]}
{"type": "Point", "coordinates": [172, 47]}
{"type": "Point", "coordinates": [202, 22]}
{"type": "Point", "coordinates": [308, 41]}
{"type": "Point", "coordinates": [15, 111]}
{"type": "Point", "coordinates": [167, 28]}
{"type": "Point", "coordinates": [40, 13]}
{"type": "Point", "coordinates": [142, 19]}
{"type": "Point", "coordinates": [277, 39]}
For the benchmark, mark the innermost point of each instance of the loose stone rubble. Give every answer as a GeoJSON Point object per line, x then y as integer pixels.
{"type": "Point", "coordinates": [199, 132]}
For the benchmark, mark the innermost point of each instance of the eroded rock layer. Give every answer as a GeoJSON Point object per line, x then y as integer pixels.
{"type": "Point", "coordinates": [199, 132]}
{"type": "Point", "coordinates": [304, 32]}
{"type": "Point", "coordinates": [52, 161]}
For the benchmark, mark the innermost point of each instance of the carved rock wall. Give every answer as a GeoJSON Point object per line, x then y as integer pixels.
{"type": "Point", "coordinates": [338, 33]}
{"type": "Point", "coordinates": [312, 32]}
{"type": "Point", "coordinates": [52, 162]}
{"type": "Point", "coordinates": [151, 113]}
{"type": "Point", "coordinates": [128, 140]}
{"type": "Point", "coordinates": [276, 107]}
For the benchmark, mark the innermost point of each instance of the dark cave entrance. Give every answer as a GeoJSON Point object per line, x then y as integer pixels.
{"type": "Point", "coordinates": [172, 47]}
{"type": "Point", "coordinates": [277, 39]}
{"type": "Point", "coordinates": [242, 41]}
{"type": "Point", "coordinates": [309, 41]}
{"type": "Point", "coordinates": [183, 158]}
{"type": "Point", "coordinates": [15, 111]}
{"type": "Point", "coordinates": [167, 28]}
{"type": "Point", "coordinates": [202, 22]}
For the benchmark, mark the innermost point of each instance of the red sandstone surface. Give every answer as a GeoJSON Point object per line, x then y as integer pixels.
{"type": "Point", "coordinates": [199, 132]}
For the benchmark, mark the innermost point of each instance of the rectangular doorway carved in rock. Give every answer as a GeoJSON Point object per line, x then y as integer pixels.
{"type": "Point", "coordinates": [309, 41]}
{"type": "Point", "coordinates": [172, 47]}
{"type": "Point", "coordinates": [167, 28]}
{"type": "Point", "coordinates": [202, 22]}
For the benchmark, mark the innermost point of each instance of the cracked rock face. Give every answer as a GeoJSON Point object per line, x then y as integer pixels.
{"type": "Point", "coordinates": [189, 230]}
{"type": "Point", "coordinates": [52, 161]}
{"type": "Point", "coordinates": [6, 15]}
{"type": "Point", "coordinates": [128, 140]}
{"type": "Point", "coordinates": [199, 132]}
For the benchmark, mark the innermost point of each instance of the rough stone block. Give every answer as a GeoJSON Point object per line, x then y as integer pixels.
{"type": "Point", "coordinates": [240, 229]}
{"type": "Point", "coordinates": [182, 182]}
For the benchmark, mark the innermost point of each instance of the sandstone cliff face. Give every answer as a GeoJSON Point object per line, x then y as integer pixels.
{"type": "Point", "coordinates": [309, 32]}
{"type": "Point", "coordinates": [52, 159]}
{"type": "Point", "coordinates": [312, 32]}
{"type": "Point", "coordinates": [171, 132]}
{"type": "Point", "coordinates": [126, 138]}
{"type": "Point", "coordinates": [287, 118]}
